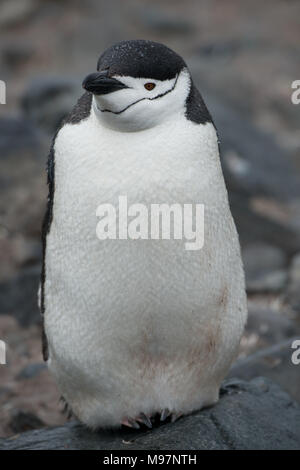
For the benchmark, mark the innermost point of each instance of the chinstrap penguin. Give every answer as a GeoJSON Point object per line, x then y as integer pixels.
{"type": "Point", "coordinates": [138, 328]}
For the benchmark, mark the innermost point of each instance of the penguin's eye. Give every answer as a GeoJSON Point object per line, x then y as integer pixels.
{"type": "Point", "coordinates": [149, 86]}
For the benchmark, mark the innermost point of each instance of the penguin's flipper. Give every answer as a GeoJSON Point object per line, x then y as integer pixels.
{"type": "Point", "coordinates": [45, 230]}
{"type": "Point", "coordinates": [45, 349]}
{"type": "Point", "coordinates": [164, 414]}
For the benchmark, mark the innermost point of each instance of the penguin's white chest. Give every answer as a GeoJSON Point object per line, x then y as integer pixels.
{"type": "Point", "coordinates": [136, 324]}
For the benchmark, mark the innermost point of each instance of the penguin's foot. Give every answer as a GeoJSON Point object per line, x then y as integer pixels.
{"type": "Point", "coordinates": [144, 419]}
{"type": "Point", "coordinates": [165, 413]}
{"type": "Point", "coordinates": [148, 421]}
{"type": "Point", "coordinates": [168, 415]}
{"type": "Point", "coordinates": [175, 417]}
{"type": "Point", "coordinates": [136, 422]}
{"type": "Point", "coordinates": [130, 423]}
{"type": "Point", "coordinates": [66, 410]}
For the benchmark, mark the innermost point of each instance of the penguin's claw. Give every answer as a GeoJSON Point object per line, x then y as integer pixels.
{"type": "Point", "coordinates": [142, 419]}
{"type": "Point", "coordinates": [175, 417]}
{"type": "Point", "coordinates": [145, 420]}
{"type": "Point", "coordinates": [130, 423]}
{"type": "Point", "coordinates": [164, 414]}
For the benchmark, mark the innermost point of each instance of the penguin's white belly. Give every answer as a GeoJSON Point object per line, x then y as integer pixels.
{"type": "Point", "coordinates": [140, 325]}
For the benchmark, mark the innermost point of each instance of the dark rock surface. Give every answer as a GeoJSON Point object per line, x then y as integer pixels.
{"type": "Point", "coordinates": [253, 162]}
{"type": "Point", "coordinates": [17, 135]}
{"type": "Point", "coordinates": [157, 21]}
{"type": "Point", "coordinates": [272, 327]}
{"type": "Point", "coordinates": [47, 100]}
{"type": "Point", "coordinates": [32, 370]}
{"type": "Point", "coordinates": [262, 201]}
{"type": "Point", "coordinates": [293, 288]}
{"type": "Point", "coordinates": [275, 364]}
{"type": "Point", "coordinates": [13, 12]}
{"type": "Point", "coordinates": [264, 267]}
{"type": "Point", "coordinates": [254, 415]}
{"type": "Point", "coordinates": [18, 296]}
{"type": "Point", "coordinates": [23, 421]}
{"type": "Point", "coordinates": [261, 258]}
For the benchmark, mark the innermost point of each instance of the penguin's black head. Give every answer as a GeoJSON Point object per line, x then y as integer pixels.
{"type": "Point", "coordinates": [138, 85]}
{"type": "Point", "coordinates": [141, 59]}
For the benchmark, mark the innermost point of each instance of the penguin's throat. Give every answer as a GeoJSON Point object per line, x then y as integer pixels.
{"type": "Point", "coordinates": [128, 119]}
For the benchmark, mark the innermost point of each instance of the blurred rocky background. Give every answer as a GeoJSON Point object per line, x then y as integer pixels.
{"type": "Point", "coordinates": [244, 57]}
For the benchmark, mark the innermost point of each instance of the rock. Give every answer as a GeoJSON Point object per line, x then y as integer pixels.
{"type": "Point", "coordinates": [293, 288]}
{"type": "Point", "coordinates": [18, 296]}
{"type": "Point", "coordinates": [264, 267]}
{"type": "Point", "coordinates": [24, 421]}
{"type": "Point", "coordinates": [5, 391]}
{"type": "Point", "coordinates": [13, 12]}
{"type": "Point", "coordinates": [274, 363]}
{"type": "Point", "coordinates": [161, 22]}
{"type": "Point", "coordinates": [254, 415]}
{"type": "Point", "coordinates": [262, 201]}
{"type": "Point", "coordinates": [47, 100]}
{"type": "Point", "coordinates": [254, 227]}
{"type": "Point", "coordinates": [16, 54]}
{"type": "Point", "coordinates": [17, 135]}
{"type": "Point", "coordinates": [270, 326]}
{"type": "Point", "coordinates": [28, 384]}
{"type": "Point", "coordinates": [264, 162]}
{"type": "Point", "coordinates": [30, 371]}
{"type": "Point", "coordinates": [27, 251]}
{"type": "Point", "coordinates": [17, 252]}
{"type": "Point", "coordinates": [262, 258]}
{"type": "Point", "coordinates": [22, 179]}
{"type": "Point", "coordinates": [227, 48]}
{"type": "Point", "coordinates": [268, 282]}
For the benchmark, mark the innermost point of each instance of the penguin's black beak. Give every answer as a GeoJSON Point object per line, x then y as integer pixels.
{"type": "Point", "coordinates": [100, 84]}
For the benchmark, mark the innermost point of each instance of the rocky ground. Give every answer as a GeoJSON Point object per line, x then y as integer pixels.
{"type": "Point", "coordinates": [240, 420]}
{"type": "Point", "coordinates": [244, 56]}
